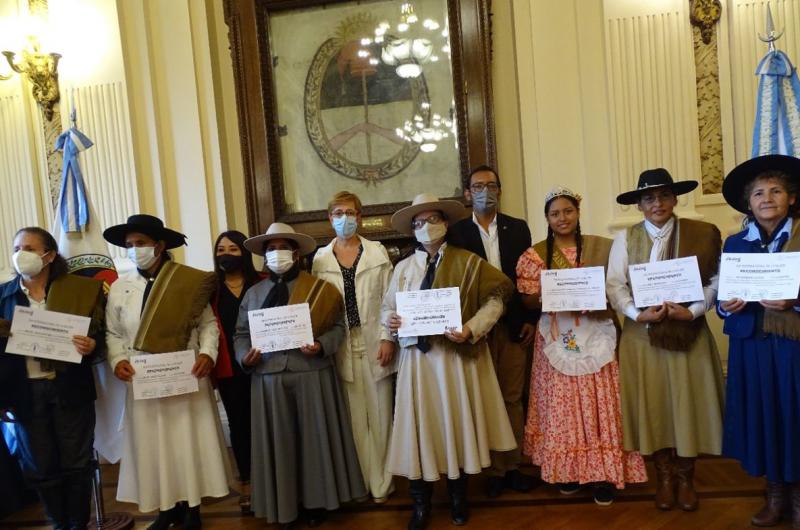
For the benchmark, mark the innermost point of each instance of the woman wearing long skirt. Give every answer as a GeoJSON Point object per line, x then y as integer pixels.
{"type": "Point", "coordinates": [762, 413]}
{"type": "Point", "coordinates": [670, 371]}
{"type": "Point", "coordinates": [574, 427]}
{"type": "Point", "coordinates": [304, 457]}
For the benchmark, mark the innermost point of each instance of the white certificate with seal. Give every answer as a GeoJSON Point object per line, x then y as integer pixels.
{"type": "Point", "coordinates": [672, 280]}
{"type": "Point", "coordinates": [280, 328]}
{"type": "Point", "coordinates": [428, 311]}
{"type": "Point", "coordinates": [46, 334]}
{"type": "Point", "coordinates": [161, 375]}
{"type": "Point", "coordinates": [754, 277]}
{"type": "Point", "coordinates": [579, 289]}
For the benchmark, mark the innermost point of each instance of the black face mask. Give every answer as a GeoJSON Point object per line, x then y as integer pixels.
{"type": "Point", "coordinates": [230, 263]}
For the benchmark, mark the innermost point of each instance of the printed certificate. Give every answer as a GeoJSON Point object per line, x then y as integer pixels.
{"type": "Point", "coordinates": [754, 277]}
{"type": "Point", "coordinates": [46, 334]}
{"type": "Point", "coordinates": [580, 289]}
{"type": "Point", "coordinates": [161, 375]}
{"type": "Point", "coordinates": [428, 312]}
{"type": "Point", "coordinates": [280, 328]}
{"type": "Point", "coordinates": [673, 280]}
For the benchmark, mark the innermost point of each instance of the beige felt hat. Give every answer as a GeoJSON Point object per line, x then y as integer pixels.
{"type": "Point", "coordinates": [452, 210]}
{"type": "Point", "coordinates": [305, 243]}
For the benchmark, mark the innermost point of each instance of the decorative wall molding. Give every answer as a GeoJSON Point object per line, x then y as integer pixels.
{"type": "Point", "coordinates": [51, 130]}
{"type": "Point", "coordinates": [704, 15]}
{"type": "Point", "coordinates": [18, 204]}
{"type": "Point", "coordinates": [651, 73]}
{"type": "Point", "coordinates": [709, 111]}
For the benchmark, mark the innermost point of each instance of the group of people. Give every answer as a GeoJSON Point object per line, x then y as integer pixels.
{"type": "Point", "coordinates": [337, 419]}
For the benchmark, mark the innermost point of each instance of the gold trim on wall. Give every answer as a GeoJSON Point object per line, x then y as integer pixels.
{"type": "Point", "coordinates": [705, 15]}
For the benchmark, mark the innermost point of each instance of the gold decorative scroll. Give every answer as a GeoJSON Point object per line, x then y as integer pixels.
{"type": "Point", "coordinates": [51, 130]}
{"type": "Point", "coordinates": [704, 16]}
{"type": "Point", "coordinates": [51, 124]}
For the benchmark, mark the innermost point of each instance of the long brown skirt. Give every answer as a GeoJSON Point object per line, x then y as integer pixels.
{"type": "Point", "coordinates": [670, 398]}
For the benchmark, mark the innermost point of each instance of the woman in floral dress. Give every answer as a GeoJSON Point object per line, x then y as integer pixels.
{"type": "Point", "coordinates": [574, 428]}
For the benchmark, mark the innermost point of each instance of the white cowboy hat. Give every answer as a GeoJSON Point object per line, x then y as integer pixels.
{"type": "Point", "coordinates": [305, 244]}
{"type": "Point", "coordinates": [452, 210]}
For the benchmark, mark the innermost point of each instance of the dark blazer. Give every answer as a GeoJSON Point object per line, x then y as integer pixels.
{"type": "Point", "coordinates": [74, 382]}
{"type": "Point", "coordinates": [514, 238]}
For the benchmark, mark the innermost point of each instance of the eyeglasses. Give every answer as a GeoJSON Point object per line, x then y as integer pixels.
{"type": "Point", "coordinates": [480, 186]}
{"type": "Point", "coordinates": [661, 196]}
{"type": "Point", "coordinates": [339, 213]}
{"type": "Point", "coordinates": [434, 219]}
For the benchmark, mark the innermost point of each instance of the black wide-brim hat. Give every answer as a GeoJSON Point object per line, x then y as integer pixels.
{"type": "Point", "coordinates": [734, 184]}
{"type": "Point", "coordinates": [148, 225]}
{"type": "Point", "coordinates": [656, 178]}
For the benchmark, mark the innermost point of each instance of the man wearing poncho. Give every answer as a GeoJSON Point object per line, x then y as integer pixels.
{"type": "Point", "coordinates": [449, 411]}
{"type": "Point", "coordinates": [174, 452]}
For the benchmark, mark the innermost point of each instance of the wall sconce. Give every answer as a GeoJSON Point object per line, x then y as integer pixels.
{"type": "Point", "coordinates": [41, 70]}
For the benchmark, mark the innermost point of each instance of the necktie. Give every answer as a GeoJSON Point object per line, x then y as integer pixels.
{"type": "Point", "coordinates": [422, 342]}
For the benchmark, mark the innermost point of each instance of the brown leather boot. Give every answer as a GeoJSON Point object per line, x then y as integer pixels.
{"type": "Point", "coordinates": [796, 506]}
{"type": "Point", "coordinates": [684, 471]}
{"type": "Point", "coordinates": [777, 494]}
{"type": "Point", "coordinates": [665, 486]}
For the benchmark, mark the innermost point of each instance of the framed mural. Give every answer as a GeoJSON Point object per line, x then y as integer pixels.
{"type": "Point", "coordinates": [382, 98]}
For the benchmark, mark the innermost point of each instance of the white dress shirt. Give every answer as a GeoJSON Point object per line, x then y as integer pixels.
{"type": "Point", "coordinates": [491, 243]}
{"type": "Point", "coordinates": [619, 291]}
{"type": "Point", "coordinates": [32, 363]}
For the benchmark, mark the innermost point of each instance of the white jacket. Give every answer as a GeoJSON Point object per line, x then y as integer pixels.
{"type": "Point", "coordinates": [123, 316]}
{"type": "Point", "coordinates": [372, 279]}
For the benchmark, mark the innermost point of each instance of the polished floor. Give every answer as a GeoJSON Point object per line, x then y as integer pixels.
{"type": "Point", "coordinates": [728, 498]}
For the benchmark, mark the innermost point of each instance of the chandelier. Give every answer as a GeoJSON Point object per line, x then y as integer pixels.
{"type": "Point", "coordinates": [427, 136]}
{"type": "Point", "coordinates": [412, 45]}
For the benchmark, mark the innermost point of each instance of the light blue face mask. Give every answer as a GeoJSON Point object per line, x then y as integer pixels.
{"type": "Point", "coordinates": [345, 226]}
{"type": "Point", "coordinates": [484, 201]}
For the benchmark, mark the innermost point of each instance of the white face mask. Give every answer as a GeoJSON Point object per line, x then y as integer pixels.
{"type": "Point", "coordinates": [28, 264]}
{"type": "Point", "coordinates": [279, 261]}
{"type": "Point", "coordinates": [430, 233]}
{"type": "Point", "coordinates": [142, 257]}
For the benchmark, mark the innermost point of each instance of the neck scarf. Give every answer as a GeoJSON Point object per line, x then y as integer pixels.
{"type": "Point", "coordinates": [767, 239]}
{"type": "Point", "coordinates": [279, 294]}
{"type": "Point", "coordinates": [661, 238]}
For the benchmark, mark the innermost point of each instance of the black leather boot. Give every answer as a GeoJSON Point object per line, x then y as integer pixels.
{"type": "Point", "coordinates": [191, 519]}
{"type": "Point", "coordinates": [420, 492]}
{"type": "Point", "coordinates": [78, 492]}
{"type": "Point", "coordinates": [55, 505]}
{"type": "Point", "coordinates": [459, 507]}
{"type": "Point", "coordinates": [169, 517]}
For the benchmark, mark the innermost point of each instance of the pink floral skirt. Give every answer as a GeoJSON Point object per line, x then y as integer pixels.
{"type": "Point", "coordinates": [574, 427]}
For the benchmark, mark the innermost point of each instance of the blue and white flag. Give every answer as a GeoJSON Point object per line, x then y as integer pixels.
{"type": "Point", "coordinates": [77, 229]}
{"type": "Point", "coordinates": [73, 210]}
{"type": "Point", "coordinates": [777, 123]}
